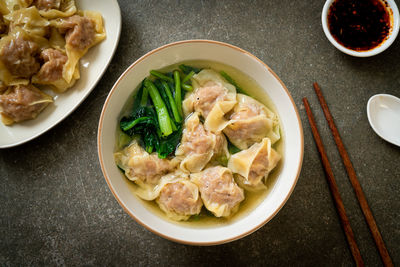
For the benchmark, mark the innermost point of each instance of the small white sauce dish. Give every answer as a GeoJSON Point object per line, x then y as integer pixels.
{"type": "Point", "coordinates": [270, 83]}
{"type": "Point", "coordinates": [383, 112]}
{"type": "Point", "coordinates": [393, 11]}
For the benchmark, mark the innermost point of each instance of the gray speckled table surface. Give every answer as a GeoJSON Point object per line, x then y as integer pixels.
{"type": "Point", "coordinates": [56, 208]}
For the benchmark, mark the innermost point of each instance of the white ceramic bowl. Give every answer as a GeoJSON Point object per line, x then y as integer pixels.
{"type": "Point", "coordinates": [250, 65]}
{"type": "Point", "coordinates": [394, 13]}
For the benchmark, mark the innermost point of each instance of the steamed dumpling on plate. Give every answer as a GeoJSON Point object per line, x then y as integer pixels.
{"type": "Point", "coordinates": [82, 31]}
{"type": "Point", "coordinates": [250, 122]}
{"type": "Point", "coordinates": [212, 97]}
{"type": "Point", "coordinates": [18, 56]}
{"type": "Point", "coordinates": [22, 102]}
{"type": "Point", "coordinates": [253, 165]}
{"type": "Point", "coordinates": [218, 190]}
{"type": "Point", "coordinates": [51, 72]}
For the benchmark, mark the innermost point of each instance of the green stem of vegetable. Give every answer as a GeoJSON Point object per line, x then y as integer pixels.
{"type": "Point", "coordinates": [178, 92]}
{"type": "Point", "coordinates": [187, 77]}
{"type": "Point", "coordinates": [145, 96]}
{"type": "Point", "coordinates": [174, 128]}
{"type": "Point", "coordinates": [133, 123]}
{"type": "Point", "coordinates": [232, 81]}
{"type": "Point", "coordinates": [175, 111]}
{"type": "Point", "coordinates": [149, 149]}
{"type": "Point", "coordinates": [162, 112]}
{"type": "Point", "coordinates": [161, 76]}
{"type": "Point", "coordinates": [187, 87]}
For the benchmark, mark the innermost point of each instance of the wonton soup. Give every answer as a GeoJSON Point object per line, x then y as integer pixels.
{"type": "Point", "coordinates": [201, 143]}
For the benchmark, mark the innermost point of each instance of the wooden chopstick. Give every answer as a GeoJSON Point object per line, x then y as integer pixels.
{"type": "Point", "coordinates": [334, 189]}
{"type": "Point", "coordinates": [387, 261]}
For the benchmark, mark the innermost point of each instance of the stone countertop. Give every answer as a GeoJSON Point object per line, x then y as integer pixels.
{"type": "Point", "coordinates": [56, 207]}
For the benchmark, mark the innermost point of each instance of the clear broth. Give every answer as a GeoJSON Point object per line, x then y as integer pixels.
{"type": "Point", "coordinates": [252, 199]}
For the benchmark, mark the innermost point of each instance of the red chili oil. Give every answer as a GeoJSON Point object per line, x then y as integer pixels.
{"type": "Point", "coordinates": [359, 25]}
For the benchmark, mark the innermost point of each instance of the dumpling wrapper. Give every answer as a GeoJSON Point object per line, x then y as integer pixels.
{"type": "Point", "coordinates": [149, 192]}
{"type": "Point", "coordinates": [29, 20]}
{"type": "Point", "coordinates": [5, 75]}
{"type": "Point", "coordinates": [253, 165]}
{"type": "Point", "coordinates": [73, 53]}
{"type": "Point", "coordinates": [218, 190]}
{"type": "Point", "coordinates": [3, 8]}
{"type": "Point", "coordinates": [56, 40]}
{"type": "Point", "coordinates": [212, 97]}
{"type": "Point", "coordinates": [17, 4]}
{"type": "Point", "coordinates": [140, 166]}
{"type": "Point", "coordinates": [67, 9]}
{"type": "Point", "coordinates": [250, 122]}
{"type": "Point", "coordinates": [19, 103]}
{"type": "Point", "coordinates": [178, 197]}
{"type": "Point", "coordinates": [51, 72]}
{"type": "Point", "coordinates": [199, 146]}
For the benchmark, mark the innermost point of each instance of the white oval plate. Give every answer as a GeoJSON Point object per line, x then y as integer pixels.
{"type": "Point", "coordinates": [93, 65]}
{"type": "Point", "coordinates": [249, 65]}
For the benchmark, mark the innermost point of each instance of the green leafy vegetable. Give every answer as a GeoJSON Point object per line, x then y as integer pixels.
{"type": "Point", "coordinates": [169, 144]}
{"type": "Point", "coordinates": [187, 77]}
{"type": "Point", "coordinates": [156, 117]}
{"type": "Point", "coordinates": [171, 101]}
{"type": "Point", "coordinates": [232, 148]}
{"type": "Point", "coordinates": [187, 69]}
{"type": "Point", "coordinates": [164, 97]}
{"type": "Point", "coordinates": [143, 122]}
{"type": "Point", "coordinates": [232, 81]}
{"type": "Point", "coordinates": [161, 76]}
{"type": "Point", "coordinates": [178, 92]}
{"type": "Point", "coordinates": [162, 113]}
{"type": "Point", "coordinates": [187, 87]}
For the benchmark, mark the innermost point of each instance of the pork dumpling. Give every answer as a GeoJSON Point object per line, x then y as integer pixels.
{"type": "Point", "coordinates": [149, 192]}
{"type": "Point", "coordinates": [22, 102]}
{"type": "Point", "coordinates": [252, 166]}
{"type": "Point", "coordinates": [51, 72]}
{"type": "Point", "coordinates": [218, 190]}
{"type": "Point", "coordinates": [29, 20]}
{"type": "Point", "coordinates": [142, 166]}
{"type": "Point", "coordinates": [55, 8]}
{"type": "Point", "coordinates": [250, 122]}
{"type": "Point", "coordinates": [179, 198]}
{"type": "Point", "coordinates": [198, 146]}
{"type": "Point", "coordinates": [82, 31]}
{"type": "Point", "coordinates": [18, 56]}
{"type": "Point", "coordinates": [213, 97]}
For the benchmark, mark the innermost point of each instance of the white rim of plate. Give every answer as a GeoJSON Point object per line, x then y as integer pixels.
{"type": "Point", "coordinates": [114, 48]}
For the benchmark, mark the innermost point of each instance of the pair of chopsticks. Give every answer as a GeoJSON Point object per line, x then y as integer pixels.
{"type": "Point", "coordinates": [387, 261]}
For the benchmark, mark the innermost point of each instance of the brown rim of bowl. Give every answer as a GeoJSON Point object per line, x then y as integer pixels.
{"type": "Point", "coordinates": [132, 215]}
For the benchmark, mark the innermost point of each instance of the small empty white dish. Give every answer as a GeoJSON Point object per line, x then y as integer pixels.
{"type": "Point", "coordinates": [383, 112]}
